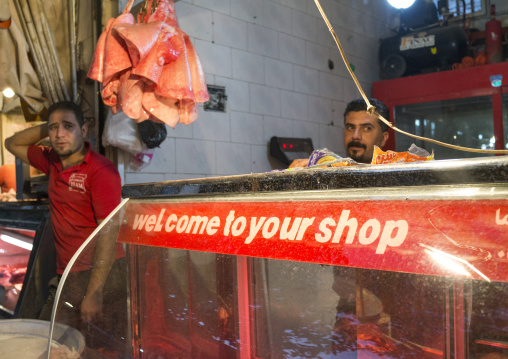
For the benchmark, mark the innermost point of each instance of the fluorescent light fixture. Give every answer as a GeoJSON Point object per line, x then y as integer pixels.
{"type": "Point", "coordinates": [401, 4]}
{"type": "Point", "coordinates": [16, 242]}
{"type": "Point", "coordinates": [8, 92]}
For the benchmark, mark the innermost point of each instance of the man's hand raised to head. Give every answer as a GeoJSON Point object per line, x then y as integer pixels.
{"type": "Point", "coordinates": [18, 143]}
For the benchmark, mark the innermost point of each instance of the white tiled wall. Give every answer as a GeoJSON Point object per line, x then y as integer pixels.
{"type": "Point", "coordinates": [272, 56]}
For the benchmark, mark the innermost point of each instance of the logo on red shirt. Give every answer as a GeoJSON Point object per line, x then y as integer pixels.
{"type": "Point", "coordinates": [77, 182]}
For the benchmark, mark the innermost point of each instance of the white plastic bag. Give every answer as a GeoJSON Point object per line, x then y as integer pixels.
{"type": "Point", "coordinates": [122, 132]}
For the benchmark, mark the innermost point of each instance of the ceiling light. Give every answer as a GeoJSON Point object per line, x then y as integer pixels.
{"type": "Point", "coordinates": [8, 92]}
{"type": "Point", "coordinates": [401, 4]}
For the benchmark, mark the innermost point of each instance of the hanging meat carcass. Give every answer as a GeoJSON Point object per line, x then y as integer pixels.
{"type": "Point", "coordinates": [149, 69]}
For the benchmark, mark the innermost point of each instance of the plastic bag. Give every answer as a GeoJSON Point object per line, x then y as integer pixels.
{"type": "Point", "coordinates": [413, 154]}
{"type": "Point", "coordinates": [141, 160]}
{"type": "Point", "coordinates": [152, 133]}
{"type": "Point", "coordinates": [122, 132]}
{"type": "Point", "coordinates": [326, 158]}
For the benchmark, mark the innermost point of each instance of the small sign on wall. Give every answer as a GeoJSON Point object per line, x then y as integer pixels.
{"type": "Point", "coordinates": [217, 100]}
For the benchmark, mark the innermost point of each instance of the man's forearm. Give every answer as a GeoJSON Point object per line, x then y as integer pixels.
{"type": "Point", "coordinates": [103, 258]}
{"type": "Point", "coordinates": [102, 261]}
{"type": "Point", "coordinates": [18, 143]}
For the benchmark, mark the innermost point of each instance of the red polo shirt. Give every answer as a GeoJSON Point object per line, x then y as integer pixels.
{"type": "Point", "coordinates": [78, 196]}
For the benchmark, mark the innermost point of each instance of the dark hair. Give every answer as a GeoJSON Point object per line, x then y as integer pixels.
{"type": "Point", "coordinates": [68, 106]}
{"type": "Point", "coordinates": [361, 105]}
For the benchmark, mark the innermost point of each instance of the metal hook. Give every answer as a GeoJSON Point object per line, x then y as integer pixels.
{"type": "Point", "coordinates": [143, 10]}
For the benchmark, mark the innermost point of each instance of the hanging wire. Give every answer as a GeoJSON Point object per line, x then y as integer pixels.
{"type": "Point", "coordinates": [372, 110]}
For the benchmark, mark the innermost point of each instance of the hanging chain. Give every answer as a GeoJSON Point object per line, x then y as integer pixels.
{"type": "Point", "coordinates": [143, 10]}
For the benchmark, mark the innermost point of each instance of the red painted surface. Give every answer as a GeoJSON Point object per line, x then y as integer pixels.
{"type": "Point", "coordinates": [417, 236]}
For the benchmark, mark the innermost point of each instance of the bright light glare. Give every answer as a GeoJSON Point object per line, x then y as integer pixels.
{"type": "Point", "coordinates": [16, 242]}
{"type": "Point", "coordinates": [8, 92]}
{"type": "Point", "coordinates": [467, 192]}
{"type": "Point", "coordinates": [401, 4]}
{"type": "Point", "coordinates": [449, 264]}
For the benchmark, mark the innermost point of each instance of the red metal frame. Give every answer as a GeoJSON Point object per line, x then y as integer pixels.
{"type": "Point", "coordinates": [445, 85]}
{"type": "Point", "coordinates": [244, 317]}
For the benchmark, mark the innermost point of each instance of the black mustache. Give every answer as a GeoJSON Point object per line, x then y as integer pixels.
{"type": "Point", "coordinates": [356, 144]}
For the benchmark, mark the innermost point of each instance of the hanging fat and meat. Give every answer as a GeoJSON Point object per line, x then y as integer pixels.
{"type": "Point", "coordinates": [149, 69]}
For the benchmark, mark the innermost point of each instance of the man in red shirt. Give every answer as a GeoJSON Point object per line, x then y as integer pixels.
{"type": "Point", "coordinates": [84, 187]}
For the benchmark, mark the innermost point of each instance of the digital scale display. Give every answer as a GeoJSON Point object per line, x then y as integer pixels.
{"type": "Point", "coordinates": [287, 149]}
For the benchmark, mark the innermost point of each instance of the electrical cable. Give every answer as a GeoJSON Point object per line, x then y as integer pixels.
{"type": "Point", "coordinates": [372, 109]}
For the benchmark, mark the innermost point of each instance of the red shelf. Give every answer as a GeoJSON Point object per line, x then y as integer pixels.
{"type": "Point", "coordinates": [446, 85]}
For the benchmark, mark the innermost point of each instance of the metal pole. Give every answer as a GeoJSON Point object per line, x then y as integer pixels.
{"type": "Point", "coordinates": [35, 58]}
{"type": "Point", "coordinates": [47, 58]}
{"type": "Point", "coordinates": [72, 34]}
{"type": "Point", "coordinates": [51, 44]}
{"type": "Point", "coordinates": [38, 50]}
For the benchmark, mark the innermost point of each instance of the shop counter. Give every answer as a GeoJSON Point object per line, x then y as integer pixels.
{"type": "Point", "coordinates": [372, 261]}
